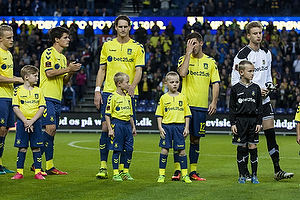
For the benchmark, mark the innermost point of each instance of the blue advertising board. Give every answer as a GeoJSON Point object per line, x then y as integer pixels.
{"type": "Point", "coordinates": [48, 22]}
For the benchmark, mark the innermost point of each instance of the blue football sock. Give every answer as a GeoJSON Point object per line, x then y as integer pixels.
{"type": "Point", "coordinates": [163, 161]}
{"type": "Point", "coordinates": [183, 162]}
{"type": "Point", "coordinates": [21, 160]}
{"type": "Point", "coordinates": [2, 142]}
{"type": "Point", "coordinates": [49, 146]}
{"type": "Point", "coordinates": [115, 159]}
{"type": "Point", "coordinates": [127, 159]}
{"type": "Point", "coordinates": [194, 153]}
{"type": "Point", "coordinates": [37, 158]}
{"type": "Point", "coordinates": [103, 142]}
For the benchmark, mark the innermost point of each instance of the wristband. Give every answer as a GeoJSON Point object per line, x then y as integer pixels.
{"type": "Point", "coordinates": [97, 89]}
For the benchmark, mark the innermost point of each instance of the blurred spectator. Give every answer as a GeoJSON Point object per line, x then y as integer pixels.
{"type": "Point", "coordinates": [155, 28]}
{"type": "Point", "coordinates": [274, 7]}
{"type": "Point", "coordinates": [197, 26]}
{"type": "Point", "coordinates": [77, 12]}
{"type": "Point", "coordinates": [105, 30]}
{"type": "Point", "coordinates": [191, 8]}
{"type": "Point", "coordinates": [27, 9]}
{"type": "Point", "coordinates": [210, 8]}
{"type": "Point", "coordinates": [36, 8]}
{"type": "Point", "coordinates": [81, 80]}
{"type": "Point", "coordinates": [86, 12]}
{"type": "Point", "coordinates": [296, 103]}
{"type": "Point", "coordinates": [222, 96]}
{"type": "Point", "coordinates": [90, 4]}
{"type": "Point", "coordinates": [135, 4]}
{"type": "Point", "coordinates": [267, 7]}
{"type": "Point", "coordinates": [290, 93]}
{"type": "Point", "coordinates": [287, 74]}
{"type": "Point", "coordinates": [166, 43]}
{"type": "Point", "coordinates": [104, 13]}
{"type": "Point", "coordinates": [10, 8]}
{"type": "Point", "coordinates": [2, 8]}
{"type": "Point", "coordinates": [69, 95]}
{"type": "Point", "coordinates": [89, 33]}
{"type": "Point", "coordinates": [155, 5]}
{"type": "Point", "coordinates": [31, 27]}
{"type": "Point", "coordinates": [24, 27]}
{"type": "Point", "coordinates": [282, 101]}
{"type": "Point", "coordinates": [96, 12]}
{"type": "Point", "coordinates": [19, 8]}
{"type": "Point", "coordinates": [278, 64]}
{"type": "Point", "coordinates": [170, 29]}
{"type": "Point", "coordinates": [220, 9]}
{"type": "Point", "coordinates": [141, 34]}
{"type": "Point", "coordinates": [145, 87]}
{"type": "Point", "coordinates": [164, 4]}
{"type": "Point", "coordinates": [15, 27]}
{"type": "Point", "coordinates": [57, 13]}
{"type": "Point", "coordinates": [186, 29]}
{"type": "Point", "coordinates": [64, 24]}
{"type": "Point", "coordinates": [65, 12]}
{"type": "Point", "coordinates": [294, 45]}
{"type": "Point", "coordinates": [296, 65]}
{"type": "Point", "coordinates": [154, 40]}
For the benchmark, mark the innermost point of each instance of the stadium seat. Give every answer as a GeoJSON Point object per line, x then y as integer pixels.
{"type": "Point", "coordinates": [152, 103]}
{"type": "Point", "coordinates": [143, 103]}
{"type": "Point", "coordinates": [141, 109]}
{"type": "Point", "coordinates": [227, 110]}
{"type": "Point", "coordinates": [65, 109]}
{"type": "Point", "coordinates": [280, 111]}
{"type": "Point", "coordinates": [150, 109]}
{"type": "Point", "coordinates": [290, 111]}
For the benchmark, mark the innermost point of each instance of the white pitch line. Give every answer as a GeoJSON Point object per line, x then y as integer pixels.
{"type": "Point", "coordinates": [72, 144]}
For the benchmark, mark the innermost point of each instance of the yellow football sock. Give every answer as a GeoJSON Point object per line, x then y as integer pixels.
{"type": "Point", "coordinates": [121, 167]}
{"type": "Point", "coordinates": [37, 171]}
{"type": "Point", "coordinates": [184, 172]}
{"type": "Point", "coordinates": [49, 164]}
{"type": "Point", "coordinates": [162, 171]}
{"type": "Point", "coordinates": [104, 164]}
{"type": "Point", "coordinates": [126, 170]}
{"type": "Point", "coordinates": [193, 167]}
{"type": "Point", "coordinates": [177, 166]}
{"type": "Point", "coordinates": [116, 171]}
{"type": "Point", "coordinates": [20, 171]}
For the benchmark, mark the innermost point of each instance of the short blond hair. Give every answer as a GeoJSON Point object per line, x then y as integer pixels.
{"type": "Point", "coordinates": [3, 28]}
{"type": "Point", "coordinates": [27, 70]}
{"type": "Point", "coordinates": [171, 73]}
{"type": "Point", "coordinates": [119, 77]}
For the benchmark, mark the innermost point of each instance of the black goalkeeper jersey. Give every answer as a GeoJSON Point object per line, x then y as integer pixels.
{"type": "Point", "coordinates": [245, 101]}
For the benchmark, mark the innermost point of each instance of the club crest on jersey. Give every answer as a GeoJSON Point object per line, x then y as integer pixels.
{"type": "Point", "coordinates": [36, 96]}
{"type": "Point", "coordinates": [48, 64]}
{"type": "Point", "coordinates": [205, 65]}
{"type": "Point", "coordinates": [253, 93]}
{"type": "Point", "coordinates": [129, 51]}
{"type": "Point", "coordinates": [180, 103]}
{"type": "Point", "coordinates": [264, 62]}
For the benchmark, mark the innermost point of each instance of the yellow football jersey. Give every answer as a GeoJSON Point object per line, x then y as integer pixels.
{"type": "Point", "coordinates": [6, 69]}
{"type": "Point", "coordinates": [52, 60]}
{"type": "Point", "coordinates": [121, 58]}
{"type": "Point", "coordinates": [195, 85]}
{"type": "Point", "coordinates": [28, 101]}
{"type": "Point", "coordinates": [173, 109]}
{"type": "Point", "coordinates": [119, 107]}
{"type": "Point", "coordinates": [297, 116]}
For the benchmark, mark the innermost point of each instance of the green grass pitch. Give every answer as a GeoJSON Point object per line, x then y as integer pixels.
{"type": "Point", "coordinates": [78, 154]}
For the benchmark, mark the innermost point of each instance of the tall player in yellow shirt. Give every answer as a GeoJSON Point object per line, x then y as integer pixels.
{"type": "Point", "coordinates": [54, 73]}
{"type": "Point", "coordinates": [122, 54]}
{"type": "Point", "coordinates": [197, 71]}
{"type": "Point", "coordinates": [7, 81]}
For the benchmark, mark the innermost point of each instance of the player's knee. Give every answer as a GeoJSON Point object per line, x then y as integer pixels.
{"type": "Point", "coordinates": [181, 152]}
{"type": "Point", "coordinates": [104, 126]}
{"type": "Point", "coordinates": [3, 131]}
{"type": "Point", "coordinates": [51, 129]}
{"type": "Point", "coordinates": [194, 140]}
{"type": "Point", "coordinates": [252, 146]}
{"type": "Point", "coordinates": [23, 149]}
{"type": "Point", "coordinates": [35, 149]}
{"type": "Point", "coordinates": [164, 151]}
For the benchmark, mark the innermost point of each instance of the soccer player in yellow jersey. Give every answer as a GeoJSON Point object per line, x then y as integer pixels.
{"type": "Point", "coordinates": [29, 104]}
{"type": "Point", "coordinates": [7, 81]}
{"type": "Point", "coordinates": [121, 126]}
{"type": "Point", "coordinates": [173, 117]}
{"type": "Point", "coordinates": [198, 71]}
{"type": "Point", "coordinates": [122, 54]}
{"type": "Point", "coordinates": [54, 73]}
{"type": "Point", "coordinates": [297, 120]}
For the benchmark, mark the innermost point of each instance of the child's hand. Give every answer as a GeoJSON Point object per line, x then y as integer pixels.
{"type": "Point", "coordinates": [234, 129]}
{"type": "Point", "coordinates": [162, 133]}
{"type": "Point", "coordinates": [186, 132]}
{"type": "Point", "coordinates": [257, 129]}
{"type": "Point", "coordinates": [111, 133]}
{"type": "Point", "coordinates": [134, 131]}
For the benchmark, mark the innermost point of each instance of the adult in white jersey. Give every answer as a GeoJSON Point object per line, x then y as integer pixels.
{"type": "Point", "coordinates": [261, 58]}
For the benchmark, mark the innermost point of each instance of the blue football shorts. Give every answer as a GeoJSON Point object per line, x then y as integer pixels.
{"type": "Point", "coordinates": [51, 113]}
{"type": "Point", "coordinates": [198, 123]}
{"type": "Point", "coordinates": [7, 115]}
{"type": "Point", "coordinates": [174, 134]}
{"type": "Point", "coordinates": [123, 139]}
